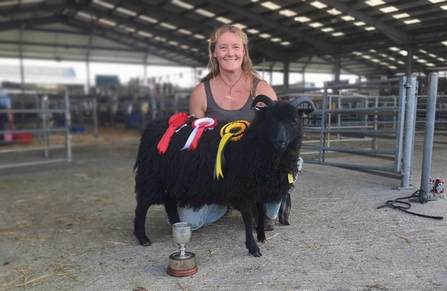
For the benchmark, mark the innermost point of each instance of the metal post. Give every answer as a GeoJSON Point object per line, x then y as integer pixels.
{"type": "Point", "coordinates": [337, 66]}
{"type": "Point", "coordinates": [374, 140]}
{"type": "Point", "coordinates": [87, 65]}
{"type": "Point", "coordinates": [45, 117]}
{"type": "Point", "coordinates": [409, 131]}
{"type": "Point", "coordinates": [410, 62]}
{"type": "Point", "coordinates": [145, 67]}
{"type": "Point", "coordinates": [263, 67]}
{"type": "Point", "coordinates": [415, 106]}
{"type": "Point", "coordinates": [323, 121]}
{"type": "Point", "coordinates": [365, 116]}
{"type": "Point", "coordinates": [339, 117]}
{"type": "Point", "coordinates": [87, 57]}
{"type": "Point", "coordinates": [329, 117]}
{"type": "Point", "coordinates": [286, 69]}
{"type": "Point", "coordinates": [95, 117]}
{"type": "Point", "coordinates": [303, 74]}
{"type": "Point", "coordinates": [394, 104]}
{"type": "Point", "coordinates": [194, 78]}
{"type": "Point", "coordinates": [429, 132]}
{"type": "Point", "coordinates": [22, 70]}
{"type": "Point", "coordinates": [22, 75]}
{"type": "Point", "coordinates": [67, 125]}
{"type": "Point", "coordinates": [400, 124]}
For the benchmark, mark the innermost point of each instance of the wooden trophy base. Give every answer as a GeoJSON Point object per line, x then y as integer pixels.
{"type": "Point", "coordinates": [179, 267]}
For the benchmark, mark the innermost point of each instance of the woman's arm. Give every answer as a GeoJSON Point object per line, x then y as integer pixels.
{"type": "Point", "coordinates": [197, 101]}
{"type": "Point", "coordinates": [265, 89]}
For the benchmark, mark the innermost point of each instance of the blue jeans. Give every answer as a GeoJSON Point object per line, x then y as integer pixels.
{"type": "Point", "coordinates": [210, 213]}
{"type": "Point", "coordinates": [205, 215]}
{"type": "Point", "coordinates": [272, 209]}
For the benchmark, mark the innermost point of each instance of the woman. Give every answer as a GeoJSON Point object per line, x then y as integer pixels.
{"type": "Point", "coordinates": [226, 93]}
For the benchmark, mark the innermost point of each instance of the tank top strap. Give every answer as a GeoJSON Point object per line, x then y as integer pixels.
{"type": "Point", "coordinates": [255, 83]}
{"type": "Point", "coordinates": [209, 95]}
{"type": "Point", "coordinates": [206, 83]}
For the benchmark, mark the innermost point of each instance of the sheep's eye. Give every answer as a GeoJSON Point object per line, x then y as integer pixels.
{"type": "Point", "coordinates": [294, 121]}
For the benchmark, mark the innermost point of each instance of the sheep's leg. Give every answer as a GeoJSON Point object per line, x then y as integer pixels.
{"type": "Point", "coordinates": [140, 223]}
{"type": "Point", "coordinates": [260, 231]}
{"type": "Point", "coordinates": [171, 210]}
{"type": "Point", "coordinates": [250, 242]}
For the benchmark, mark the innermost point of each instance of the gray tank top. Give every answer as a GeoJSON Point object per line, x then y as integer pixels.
{"type": "Point", "coordinates": [214, 110]}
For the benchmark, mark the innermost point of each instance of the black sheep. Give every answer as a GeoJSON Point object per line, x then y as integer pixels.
{"type": "Point", "coordinates": [257, 167]}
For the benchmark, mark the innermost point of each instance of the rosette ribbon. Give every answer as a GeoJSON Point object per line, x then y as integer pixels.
{"type": "Point", "coordinates": [231, 131]}
{"type": "Point", "coordinates": [199, 126]}
{"type": "Point", "coordinates": [175, 121]}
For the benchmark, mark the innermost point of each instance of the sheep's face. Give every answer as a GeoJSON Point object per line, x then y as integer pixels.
{"type": "Point", "coordinates": [283, 121]}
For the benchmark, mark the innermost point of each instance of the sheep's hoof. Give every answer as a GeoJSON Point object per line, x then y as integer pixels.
{"type": "Point", "coordinates": [256, 254]}
{"type": "Point", "coordinates": [146, 244]}
{"type": "Point", "coordinates": [144, 241]}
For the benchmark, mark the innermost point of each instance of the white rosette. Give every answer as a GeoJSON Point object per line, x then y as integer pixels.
{"type": "Point", "coordinates": [199, 126]}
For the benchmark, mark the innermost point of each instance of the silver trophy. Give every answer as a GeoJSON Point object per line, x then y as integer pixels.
{"type": "Point", "coordinates": [182, 263]}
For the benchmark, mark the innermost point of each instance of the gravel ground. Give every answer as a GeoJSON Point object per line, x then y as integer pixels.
{"type": "Point", "coordinates": [68, 226]}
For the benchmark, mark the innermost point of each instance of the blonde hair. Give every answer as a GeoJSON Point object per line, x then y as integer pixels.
{"type": "Point", "coordinates": [213, 65]}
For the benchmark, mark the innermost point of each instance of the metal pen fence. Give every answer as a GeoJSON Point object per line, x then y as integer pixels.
{"type": "Point", "coordinates": [440, 121]}
{"type": "Point", "coordinates": [33, 141]}
{"type": "Point", "coordinates": [133, 108]}
{"type": "Point", "coordinates": [366, 126]}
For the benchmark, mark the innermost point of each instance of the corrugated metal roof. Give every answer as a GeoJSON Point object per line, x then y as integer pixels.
{"type": "Point", "coordinates": [371, 37]}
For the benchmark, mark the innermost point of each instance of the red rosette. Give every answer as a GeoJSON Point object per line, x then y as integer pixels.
{"type": "Point", "coordinates": [175, 121]}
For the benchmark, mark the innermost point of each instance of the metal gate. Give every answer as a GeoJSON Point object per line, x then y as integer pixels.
{"type": "Point", "coordinates": [366, 126]}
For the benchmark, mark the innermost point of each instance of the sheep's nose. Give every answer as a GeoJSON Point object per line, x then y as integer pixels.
{"type": "Point", "coordinates": [281, 145]}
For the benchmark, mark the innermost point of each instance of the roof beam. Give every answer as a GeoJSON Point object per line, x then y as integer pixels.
{"type": "Point", "coordinates": [48, 8]}
{"type": "Point", "coordinates": [74, 59]}
{"type": "Point", "coordinates": [17, 24]}
{"type": "Point", "coordinates": [359, 62]}
{"type": "Point", "coordinates": [420, 42]}
{"type": "Point", "coordinates": [198, 27]}
{"type": "Point", "coordinates": [76, 46]}
{"type": "Point", "coordinates": [395, 34]}
{"type": "Point", "coordinates": [103, 30]}
{"type": "Point", "coordinates": [431, 50]}
{"type": "Point", "coordinates": [146, 28]}
{"type": "Point", "coordinates": [201, 45]}
{"type": "Point", "coordinates": [321, 45]}
{"type": "Point", "coordinates": [162, 15]}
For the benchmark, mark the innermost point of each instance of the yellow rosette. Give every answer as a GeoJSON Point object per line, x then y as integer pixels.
{"type": "Point", "coordinates": [231, 131]}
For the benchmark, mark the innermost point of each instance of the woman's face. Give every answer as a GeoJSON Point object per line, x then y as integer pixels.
{"type": "Point", "coordinates": [229, 52]}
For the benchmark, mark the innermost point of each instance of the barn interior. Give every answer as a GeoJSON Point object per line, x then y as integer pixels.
{"type": "Point", "coordinates": [66, 166]}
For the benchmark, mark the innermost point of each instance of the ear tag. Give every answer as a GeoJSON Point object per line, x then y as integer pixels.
{"type": "Point", "coordinates": [290, 177]}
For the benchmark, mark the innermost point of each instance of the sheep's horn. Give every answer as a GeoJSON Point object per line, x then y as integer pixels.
{"type": "Point", "coordinates": [264, 99]}
{"type": "Point", "coordinates": [304, 99]}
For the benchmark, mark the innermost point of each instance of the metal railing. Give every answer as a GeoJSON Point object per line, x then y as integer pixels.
{"type": "Point", "coordinates": [373, 119]}
{"type": "Point", "coordinates": [31, 111]}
